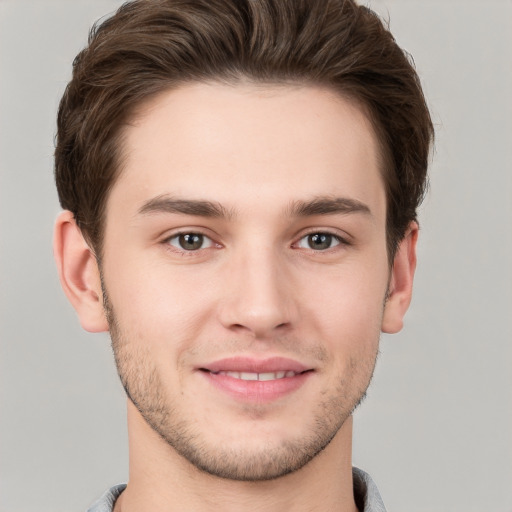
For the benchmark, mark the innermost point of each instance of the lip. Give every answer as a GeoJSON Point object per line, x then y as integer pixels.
{"type": "Point", "coordinates": [254, 365]}
{"type": "Point", "coordinates": [256, 391]}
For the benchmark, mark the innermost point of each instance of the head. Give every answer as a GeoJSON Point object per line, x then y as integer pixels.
{"type": "Point", "coordinates": [244, 178]}
{"type": "Point", "coordinates": [150, 47]}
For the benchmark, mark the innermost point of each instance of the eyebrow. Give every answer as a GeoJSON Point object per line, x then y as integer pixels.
{"type": "Point", "coordinates": [328, 206]}
{"type": "Point", "coordinates": [202, 208]}
{"type": "Point", "coordinates": [167, 204]}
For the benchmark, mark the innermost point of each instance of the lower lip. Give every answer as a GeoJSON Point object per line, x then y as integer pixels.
{"type": "Point", "coordinates": [257, 390]}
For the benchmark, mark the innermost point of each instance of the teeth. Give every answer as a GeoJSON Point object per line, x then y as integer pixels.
{"type": "Point", "coordinates": [248, 376]}
{"type": "Point", "coordinates": [258, 376]}
{"type": "Point", "coordinates": [269, 376]}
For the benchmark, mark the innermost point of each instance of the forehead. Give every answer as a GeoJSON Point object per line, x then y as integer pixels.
{"type": "Point", "coordinates": [243, 142]}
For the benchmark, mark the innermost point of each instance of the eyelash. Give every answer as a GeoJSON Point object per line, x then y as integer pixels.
{"type": "Point", "coordinates": [176, 237]}
{"type": "Point", "coordinates": [331, 237]}
{"type": "Point", "coordinates": [340, 241]}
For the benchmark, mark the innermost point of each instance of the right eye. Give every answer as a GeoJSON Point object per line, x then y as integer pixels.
{"type": "Point", "coordinates": [190, 241]}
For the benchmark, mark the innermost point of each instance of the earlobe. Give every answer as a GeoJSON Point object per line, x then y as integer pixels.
{"type": "Point", "coordinates": [401, 281]}
{"type": "Point", "coordinates": [79, 273]}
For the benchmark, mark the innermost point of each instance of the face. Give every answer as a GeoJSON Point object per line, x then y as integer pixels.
{"type": "Point", "coordinates": [245, 272]}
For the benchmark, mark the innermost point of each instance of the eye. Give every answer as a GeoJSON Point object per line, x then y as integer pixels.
{"type": "Point", "coordinates": [190, 241]}
{"type": "Point", "coordinates": [318, 241]}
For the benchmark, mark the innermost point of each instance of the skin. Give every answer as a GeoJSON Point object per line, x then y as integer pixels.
{"type": "Point", "coordinates": [279, 167]}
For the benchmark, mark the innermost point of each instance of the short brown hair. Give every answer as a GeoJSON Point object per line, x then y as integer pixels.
{"type": "Point", "coordinates": [152, 45]}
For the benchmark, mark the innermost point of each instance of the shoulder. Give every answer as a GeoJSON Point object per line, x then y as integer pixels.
{"type": "Point", "coordinates": [366, 494]}
{"type": "Point", "coordinates": [106, 502]}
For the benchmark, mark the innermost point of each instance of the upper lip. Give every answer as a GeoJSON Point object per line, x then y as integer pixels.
{"type": "Point", "coordinates": [254, 365]}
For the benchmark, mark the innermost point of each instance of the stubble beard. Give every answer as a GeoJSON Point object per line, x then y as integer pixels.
{"type": "Point", "coordinates": [145, 389]}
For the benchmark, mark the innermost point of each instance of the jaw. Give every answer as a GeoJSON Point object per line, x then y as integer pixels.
{"type": "Point", "coordinates": [159, 476]}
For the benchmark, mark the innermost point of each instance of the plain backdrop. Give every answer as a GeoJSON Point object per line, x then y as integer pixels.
{"type": "Point", "coordinates": [436, 429]}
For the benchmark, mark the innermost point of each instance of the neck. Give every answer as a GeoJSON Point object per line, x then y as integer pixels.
{"type": "Point", "coordinates": [162, 481]}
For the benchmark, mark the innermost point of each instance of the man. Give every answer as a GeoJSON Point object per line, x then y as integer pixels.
{"type": "Point", "coordinates": [240, 182]}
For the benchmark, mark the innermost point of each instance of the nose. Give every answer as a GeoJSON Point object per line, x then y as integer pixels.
{"type": "Point", "coordinates": [258, 297]}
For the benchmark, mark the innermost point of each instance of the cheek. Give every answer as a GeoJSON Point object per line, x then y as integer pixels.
{"type": "Point", "coordinates": [154, 304]}
{"type": "Point", "coordinates": [346, 320]}
{"type": "Point", "coordinates": [349, 300]}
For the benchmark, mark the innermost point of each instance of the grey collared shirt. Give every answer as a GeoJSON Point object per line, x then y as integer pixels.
{"type": "Point", "coordinates": [365, 492]}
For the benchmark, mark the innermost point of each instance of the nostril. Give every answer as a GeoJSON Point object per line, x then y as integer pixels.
{"type": "Point", "coordinates": [239, 327]}
{"type": "Point", "coordinates": [244, 314]}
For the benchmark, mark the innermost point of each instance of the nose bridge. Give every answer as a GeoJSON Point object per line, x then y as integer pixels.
{"type": "Point", "coordinates": [258, 296]}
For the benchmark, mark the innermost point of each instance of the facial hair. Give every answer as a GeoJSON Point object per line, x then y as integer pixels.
{"type": "Point", "coordinates": [224, 459]}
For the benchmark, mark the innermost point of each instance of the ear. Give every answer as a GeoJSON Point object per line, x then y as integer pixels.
{"type": "Point", "coordinates": [79, 273]}
{"type": "Point", "coordinates": [400, 282]}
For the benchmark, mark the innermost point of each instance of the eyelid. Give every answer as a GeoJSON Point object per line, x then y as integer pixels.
{"type": "Point", "coordinates": [207, 241]}
{"type": "Point", "coordinates": [335, 239]}
{"type": "Point", "coordinates": [174, 235]}
{"type": "Point", "coordinates": [342, 237]}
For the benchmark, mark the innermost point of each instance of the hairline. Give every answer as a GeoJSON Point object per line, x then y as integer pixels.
{"type": "Point", "coordinates": [140, 108]}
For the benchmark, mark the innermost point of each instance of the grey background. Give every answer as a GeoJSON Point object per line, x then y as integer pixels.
{"type": "Point", "coordinates": [436, 429]}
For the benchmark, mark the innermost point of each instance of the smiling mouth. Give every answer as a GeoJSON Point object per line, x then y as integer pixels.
{"type": "Point", "coordinates": [253, 380]}
{"type": "Point", "coordinates": [251, 376]}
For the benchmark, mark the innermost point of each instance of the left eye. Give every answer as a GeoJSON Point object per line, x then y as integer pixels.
{"type": "Point", "coordinates": [318, 241]}
{"type": "Point", "coordinates": [190, 241]}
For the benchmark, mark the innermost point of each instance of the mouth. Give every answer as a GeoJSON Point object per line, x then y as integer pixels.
{"type": "Point", "coordinates": [253, 380]}
{"type": "Point", "coordinates": [251, 376]}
